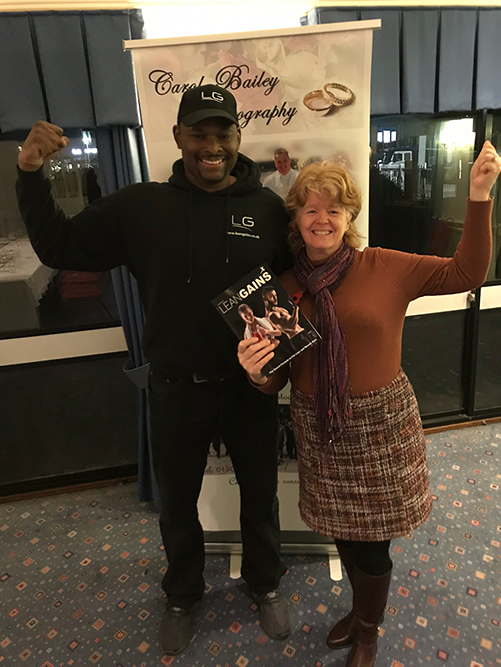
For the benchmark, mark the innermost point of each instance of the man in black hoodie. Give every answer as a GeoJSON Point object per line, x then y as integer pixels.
{"type": "Point", "coordinates": [186, 241]}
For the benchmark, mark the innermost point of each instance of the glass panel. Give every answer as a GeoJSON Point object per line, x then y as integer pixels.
{"type": "Point", "coordinates": [35, 298]}
{"type": "Point", "coordinates": [420, 182]}
{"type": "Point", "coordinates": [35, 445]}
{"type": "Point", "coordinates": [432, 357]}
{"type": "Point", "coordinates": [488, 385]}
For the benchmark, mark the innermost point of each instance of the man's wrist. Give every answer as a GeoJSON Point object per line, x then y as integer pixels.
{"type": "Point", "coordinates": [27, 170]}
{"type": "Point", "coordinates": [26, 166]}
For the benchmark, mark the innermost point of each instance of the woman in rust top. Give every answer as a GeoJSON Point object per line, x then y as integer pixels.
{"type": "Point", "coordinates": [361, 452]}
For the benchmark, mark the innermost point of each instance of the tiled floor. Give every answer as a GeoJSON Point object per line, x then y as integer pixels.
{"type": "Point", "coordinates": [80, 581]}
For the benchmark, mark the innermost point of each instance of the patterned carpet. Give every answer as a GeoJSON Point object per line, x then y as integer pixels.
{"type": "Point", "coordinates": [80, 574]}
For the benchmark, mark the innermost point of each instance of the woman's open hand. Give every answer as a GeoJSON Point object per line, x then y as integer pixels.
{"type": "Point", "coordinates": [253, 355]}
{"type": "Point", "coordinates": [484, 172]}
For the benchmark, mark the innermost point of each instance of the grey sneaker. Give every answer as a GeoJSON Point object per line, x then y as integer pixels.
{"type": "Point", "coordinates": [274, 614]}
{"type": "Point", "coordinates": [176, 630]}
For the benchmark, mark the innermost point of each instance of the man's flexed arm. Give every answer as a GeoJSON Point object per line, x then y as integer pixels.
{"type": "Point", "coordinates": [295, 315]}
{"type": "Point", "coordinates": [44, 141]}
{"type": "Point", "coordinates": [282, 318]}
{"type": "Point", "coordinates": [92, 240]}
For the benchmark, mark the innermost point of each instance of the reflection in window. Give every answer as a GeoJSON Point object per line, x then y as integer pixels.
{"type": "Point", "coordinates": [419, 182]}
{"type": "Point", "coordinates": [35, 298]}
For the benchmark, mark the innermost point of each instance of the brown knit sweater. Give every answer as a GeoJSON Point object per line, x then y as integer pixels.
{"type": "Point", "coordinates": [373, 298]}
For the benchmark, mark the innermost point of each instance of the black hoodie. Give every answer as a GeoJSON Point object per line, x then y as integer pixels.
{"type": "Point", "coordinates": [184, 246]}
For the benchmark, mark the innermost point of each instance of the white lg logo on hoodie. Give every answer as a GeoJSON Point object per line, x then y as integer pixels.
{"type": "Point", "coordinates": [246, 222]}
{"type": "Point", "coordinates": [244, 227]}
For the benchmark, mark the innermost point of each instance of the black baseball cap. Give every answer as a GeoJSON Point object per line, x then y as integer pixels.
{"type": "Point", "coordinates": [207, 101]}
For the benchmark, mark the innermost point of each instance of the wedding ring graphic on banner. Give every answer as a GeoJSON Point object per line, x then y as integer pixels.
{"type": "Point", "coordinates": [318, 102]}
{"type": "Point", "coordinates": [340, 96]}
{"type": "Point", "coordinates": [322, 102]}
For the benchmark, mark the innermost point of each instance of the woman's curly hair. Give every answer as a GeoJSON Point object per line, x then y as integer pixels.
{"type": "Point", "coordinates": [318, 177]}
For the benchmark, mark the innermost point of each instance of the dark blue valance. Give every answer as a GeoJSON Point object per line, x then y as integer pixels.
{"type": "Point", "coordinates": [429, 60]}
{"type": "Point", "coordinates": [489, 59]}
{"type": "Point", "coordinates": [387, 51]}
{"type": "Point", "coordinates": [68, 68]}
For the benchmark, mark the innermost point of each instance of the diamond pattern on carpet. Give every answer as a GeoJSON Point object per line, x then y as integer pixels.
{"type": "Point", "coordinates": [80, 581]}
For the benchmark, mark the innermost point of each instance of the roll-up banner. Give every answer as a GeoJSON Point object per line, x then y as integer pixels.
{"type": "Point", "coordinates": [303, 90]}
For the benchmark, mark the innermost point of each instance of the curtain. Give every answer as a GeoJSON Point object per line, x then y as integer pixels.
{"type": "Point", "coordinates": [429, 60]}
{"type": "Point", "coordinates": [122, 162]}
{"type": "Point", "coordinates": [458, 33]}
{"type": "Point", "coordinates": [488, 90]}
{"type": "Point", "coordinates": [69, 68]}
{"type": "Point", "coordinates": [385, 75]}
{"type": "Point", "coordinates": [419, 59]}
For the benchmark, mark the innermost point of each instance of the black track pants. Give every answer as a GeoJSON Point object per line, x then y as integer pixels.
{"type": "Point", "coordinates": [184, 416]}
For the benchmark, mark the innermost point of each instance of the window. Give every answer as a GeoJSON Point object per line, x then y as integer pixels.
{"type": "Point", "coordinates": [420, 182]}
{"type": "Point", "coordinates": [34, 298]}
{"type": "Point", "coordinates": [386, 135]}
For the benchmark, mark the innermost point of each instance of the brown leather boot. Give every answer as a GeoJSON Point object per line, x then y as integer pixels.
{"type": "Point", "coordinates": [369, 602]}
{"type": "Point", "coordinates": [343, 633]}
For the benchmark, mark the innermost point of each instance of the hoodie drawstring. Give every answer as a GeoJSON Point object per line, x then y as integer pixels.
{"type": "Point", "coordinates": [190, 239]}
{"type": "Point", "coordinates": [190, 234]}
{"type": "Point", "coordinates": [228, 227]}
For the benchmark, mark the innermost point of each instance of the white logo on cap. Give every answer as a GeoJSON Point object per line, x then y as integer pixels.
{"type": "Point", "coordinates": [217, 97]}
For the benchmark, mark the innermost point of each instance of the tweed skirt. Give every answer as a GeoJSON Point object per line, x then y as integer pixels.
{"type": "Point", "coordinates": [371, 483]}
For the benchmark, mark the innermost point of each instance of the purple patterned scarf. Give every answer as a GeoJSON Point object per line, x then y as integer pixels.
{"type": "Point", "coordinates": [332, 403]}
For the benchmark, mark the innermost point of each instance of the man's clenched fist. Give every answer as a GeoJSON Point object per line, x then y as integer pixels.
{"type": "Point", "coordinates": [44, 141]}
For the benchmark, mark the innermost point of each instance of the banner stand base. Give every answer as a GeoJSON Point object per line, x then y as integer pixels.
{"type": "Point", "coordinates": [335, 568]}
{"type": "Point", "coordinates": [235, 565]}
{"type": "Point", "coordinates": [299, 542]}
{"type": "Point", "coordinates": [298, 549]}
{"type": "Point", "coordinates": [335, 571]}
{"type": "Point", "coordinates": [296, 542]}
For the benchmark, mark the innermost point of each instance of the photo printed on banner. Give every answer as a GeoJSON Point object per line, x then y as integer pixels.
{"type": "Point", "coordinates": [302, 97]}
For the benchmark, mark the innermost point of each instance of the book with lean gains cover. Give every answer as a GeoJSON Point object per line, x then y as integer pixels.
{"type": "Point", "coordinates": [259, 306]}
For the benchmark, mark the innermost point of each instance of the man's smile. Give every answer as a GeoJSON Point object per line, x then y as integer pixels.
{"type": "Point", "coordinates": [212, 161]}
